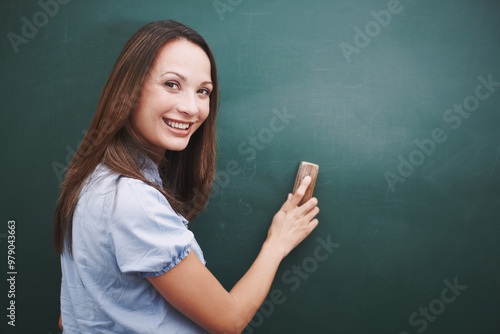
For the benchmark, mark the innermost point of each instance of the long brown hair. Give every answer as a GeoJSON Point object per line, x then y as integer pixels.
{"type": "Point", "coordinates": [187, 175]}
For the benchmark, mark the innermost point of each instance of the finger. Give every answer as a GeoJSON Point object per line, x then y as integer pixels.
{"type": "Point", "coordinates": [308, 206]}
{"type": "Point", "coordinates": [311, 214]}
{"type": "Point", "coordinates": [287, 206]}
{"type": "Point", "coordinates": [301, 191]}
{"type": "Point", "coordinates": [312, 224]}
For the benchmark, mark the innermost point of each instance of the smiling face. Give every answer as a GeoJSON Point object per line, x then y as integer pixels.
{"type": "Point", "coordinates": [175, 98]}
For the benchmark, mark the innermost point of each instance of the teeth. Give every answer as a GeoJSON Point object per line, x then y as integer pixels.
{"type": "Point", "coordinates": [182, 126]}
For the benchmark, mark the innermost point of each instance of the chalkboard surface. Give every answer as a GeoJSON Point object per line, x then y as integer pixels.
{"type": "Point", "coordinates": [398, 102]}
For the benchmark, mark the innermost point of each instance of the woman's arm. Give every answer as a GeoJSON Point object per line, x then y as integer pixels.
{"type": "Point", "coordinates": [194, 291]}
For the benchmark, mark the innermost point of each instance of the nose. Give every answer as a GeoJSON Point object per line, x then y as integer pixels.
{"type": "Point", "coordinates": [187, 104]}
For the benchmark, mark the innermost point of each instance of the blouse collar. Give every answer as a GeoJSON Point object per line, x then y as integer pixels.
{"type": "Point", "coordinates": [150, 171]}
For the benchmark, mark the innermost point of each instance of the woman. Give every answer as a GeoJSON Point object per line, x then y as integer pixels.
{"type": "Point", "coordinates": [129, 263]}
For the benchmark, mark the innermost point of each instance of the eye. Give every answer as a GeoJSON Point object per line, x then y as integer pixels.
{"type": "Point", "coordinates": [172, 85]}
{"type": "Point", "coordinates": [204, 91]}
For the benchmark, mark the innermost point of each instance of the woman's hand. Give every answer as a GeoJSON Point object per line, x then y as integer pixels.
{"type": "Point", "coordinates": [293, 223]}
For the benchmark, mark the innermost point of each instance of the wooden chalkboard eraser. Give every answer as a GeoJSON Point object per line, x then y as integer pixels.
{"type": "Point", "coordinates": [305, 169]}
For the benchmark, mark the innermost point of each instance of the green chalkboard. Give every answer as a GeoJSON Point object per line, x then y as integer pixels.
{"type": "Point", "coordinates": [398, 102]}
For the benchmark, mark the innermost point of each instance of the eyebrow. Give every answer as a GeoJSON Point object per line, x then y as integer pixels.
{"type": "Point", "coordinates": [184, 78]}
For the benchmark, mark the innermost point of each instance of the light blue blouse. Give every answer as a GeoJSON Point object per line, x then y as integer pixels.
{"type": "Point", "coordinates": [123, 231]}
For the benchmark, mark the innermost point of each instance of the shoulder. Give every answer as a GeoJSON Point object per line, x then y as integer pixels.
{"type": "Point", "coordinates": [127, 198]}
{"type": "Point", "coordinates": [137, 189]}
{"type": "Point", "coordinates": [124, 196]}
{"type": "Point", "coordinates": [140, 204]}
{"type": "Point", "coordinates": [135, 197]}
{"type": "Point", "coordinates": [105, 181]}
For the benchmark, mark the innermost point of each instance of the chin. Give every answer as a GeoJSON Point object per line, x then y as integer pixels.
{"type": "Point", "coordinates": [176, 147]}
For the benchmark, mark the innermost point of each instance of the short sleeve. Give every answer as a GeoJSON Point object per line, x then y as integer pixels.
{"type": "Point", "coordinates": [148, 237]}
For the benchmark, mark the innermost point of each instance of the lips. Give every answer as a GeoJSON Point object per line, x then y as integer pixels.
{"type": "Point", "coordinates": [178, 125]}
